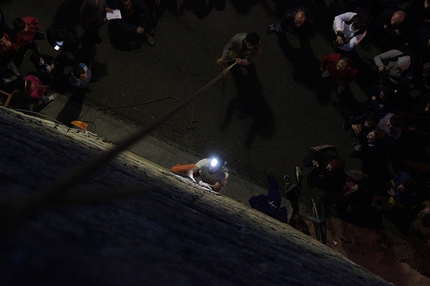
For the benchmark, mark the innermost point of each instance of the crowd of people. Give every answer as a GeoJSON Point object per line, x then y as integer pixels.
{"type": "Point", "coordinates": [402, 34]}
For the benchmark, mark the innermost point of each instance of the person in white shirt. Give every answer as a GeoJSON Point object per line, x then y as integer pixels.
{"type": "Point", "coordinates": [350, 29]}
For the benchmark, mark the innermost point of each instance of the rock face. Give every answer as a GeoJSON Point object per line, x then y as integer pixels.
{"type": "Point", "coordinates": [133, 223]}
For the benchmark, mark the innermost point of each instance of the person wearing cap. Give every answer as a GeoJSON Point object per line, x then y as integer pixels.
{"type": "Point", "coordinates": [396, 66]}
{"type": "Point", "coordinates": [243, 48]}
{"type": "Point", "coordinates": [212, 172]}
{"type": "Point", "coordinates": [328, 169]}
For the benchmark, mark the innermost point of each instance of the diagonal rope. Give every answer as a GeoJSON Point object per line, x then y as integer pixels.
{"type": "Point", "coordinates": [14, 211]}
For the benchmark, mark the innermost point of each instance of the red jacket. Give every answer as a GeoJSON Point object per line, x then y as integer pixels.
{"type": "Point", "coordinates": [6, 52]}
{"type": "Point", "coordinates": [329, 63]}
{"type": "Point", "coordinates": [25, 37]}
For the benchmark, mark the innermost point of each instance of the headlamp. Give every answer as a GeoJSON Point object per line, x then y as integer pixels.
{"type": "Point", "coordinates": [214, 162]}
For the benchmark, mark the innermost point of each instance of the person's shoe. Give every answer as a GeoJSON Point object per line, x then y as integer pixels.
{"type": "Point", "coordinates": [88, 90]}
{"type": "Point", "coordinates": [299, 175]}
{"type": "Point", "coordinates": [6, 81]}
{"type": "Point", "coordinates": [150, 40]}
{"type": "Point", "coordinates": [52, 97]}
{"type": "Point", "coordinates": [271, 29]}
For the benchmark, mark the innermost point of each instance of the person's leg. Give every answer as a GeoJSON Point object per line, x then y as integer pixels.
{"type": "Point", "coordinates": [181, 169]}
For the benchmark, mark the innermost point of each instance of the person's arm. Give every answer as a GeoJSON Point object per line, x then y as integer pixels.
{"type": "Point", "coordinates": [353, 42]}
{"type": "Point", "coordinates": [251, 58]}
{"type": "Point", "coordinates": [378, 59]}
{"type": "Point", "coordinates": [339, 22]}
{"type": "Point", "coordinates": [228, 47]}
{"type": "Point", "coordinates": [215, 187]}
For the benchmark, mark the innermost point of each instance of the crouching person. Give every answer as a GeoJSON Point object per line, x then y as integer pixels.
{"type": "Point", "coordinates": [212, 172]}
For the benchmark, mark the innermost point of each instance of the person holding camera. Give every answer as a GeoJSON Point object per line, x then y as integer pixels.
{"type": "Point", "coordinates": [394, 67]}
{"type": "Point", "coordinates": [350, 29]}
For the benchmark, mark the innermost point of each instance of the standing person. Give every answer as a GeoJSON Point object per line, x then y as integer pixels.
{"type": "Point", "coordinates": [340, 67]}
{"type": "Point", "coordinates": [92, 17]}
{"type": "Point", "coordinates": [243, 48]}
{"type": "Point", "coordinates": [394, 67]}
{"type": "Point", "coordinates": [135, 26]}
{"type": "Point", "coordinates": [25, 31]}
{"type": "Point", "coordinates": [328, 170]}
{"type": "Point", "coordinates": [81, 76]}
{"type": "Point", "coordinates": [350, 29]}
{"type": "Point", "coordinates": [294, 21]}
{"type": "Point", "coordinates": [391, 28]}
{"type": "Point", "coordinates": [35, 89]}
{"type": "Point", "coordinates": [7, 51]}
{"type": "Point", "coordinates": [212, 171]}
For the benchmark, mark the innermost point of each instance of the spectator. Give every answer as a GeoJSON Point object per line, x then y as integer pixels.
{"type": "Point", "coordinates": [81, 76]}
{"type": "Point", "coordinates": [270, 204]}
{"type": "Point", "coordinates": [33, 88]}
{"type": "Point", "coordinates": [213, 172]}
{"type": "Point", "coordinates": [134, 28]}
{"type": "Point", "coordinates": [394, 67]}
{"type": "Point", "coordinates": [356, 194]}
{"type": "Point", "coordinates": [421, 225]}
{"type": "Point", "coordinates": [65, 40]}
{"type": "Point", "coordinates": [92, 17]}
{"type": "Point", "coordinates": [328, 169]}
{"type": "Point", "coordinates": [379, 100]}
{"type": "Point", "coordinates": [392, 125]}
{"type": "Point", "coordinates": [340, 67]}
{"type": "Point", "coordinates": [402, 193]}
{"type": "Point", "coordinates": [7, 51]}
{"type": "Point", "coordinates": [44, 64]}
{"type": "Point", "coordinates": [244, 48]}
{"type": "Point", "coordinates": [391, 28]}
{"type": "Point", "coordinates": [25, 31]}
{"type": "Point", "coordinates": [361, 125]}
{"type": "Point", "coordinates": [350, 29]}
{"type": "Point", "coordinates": [294, 21]}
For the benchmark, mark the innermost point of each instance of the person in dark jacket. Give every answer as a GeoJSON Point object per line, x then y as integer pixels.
{"type": "Point", "coordinates": [270, 204]}
{"type": "Point", "coordinates": [134, 27]}
{"type": "Point", "coordinates": [294, 21]}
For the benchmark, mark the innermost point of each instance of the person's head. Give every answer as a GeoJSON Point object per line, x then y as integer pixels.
{"type": "Point", "coordinates": [424, 214]}
{"type": "Point", "coordinates": [408, 186]}
{"type": "Point", "coordinates": [372, 121]}
{"type": "Point", "coordinates": [375, 135]}
{"type": "Point", "coordinates": [252, 40]}
{"type": "Point", "coordinates": [19, 24]}
{"type": "Point", "coordinates": [216, 162]}
{"type": "Point", "coordinates": [127, 4]}
{"type": "Point", "coordinates": [403, 62]}
{"type": "Point", "coordinates": [426, 4]}
{"type": "Point", "coordinates": [343, 63]}
{"type": "Point", "coordinates": [398, 17]}
{"type": "Point", "coordinates": [300, 18]}
{"type": "Point", "coordinates": [361, 21]}
{"type": "Point", "coordinates": [396, 121]}
{"type": "Point", "coordinates": [79, 72]}
{"type": "Point", "coordinates": [335, 165]}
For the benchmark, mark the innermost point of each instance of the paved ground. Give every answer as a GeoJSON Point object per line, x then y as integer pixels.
{"type": "Point", "coordinates": [264, 121]}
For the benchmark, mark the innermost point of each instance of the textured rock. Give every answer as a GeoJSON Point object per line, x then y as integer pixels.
{"type": "Point", "coordinates": [134, 223]}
